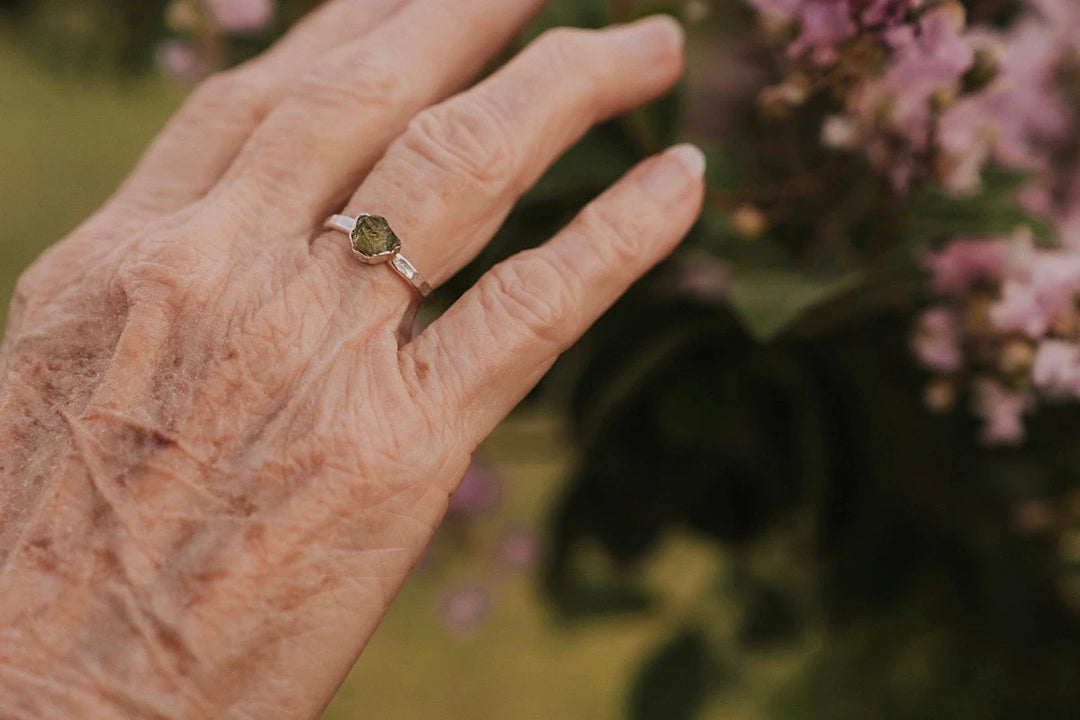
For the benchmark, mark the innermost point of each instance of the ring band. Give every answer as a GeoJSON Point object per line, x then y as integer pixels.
{"type": "Point", "coordinates": [375, 243]}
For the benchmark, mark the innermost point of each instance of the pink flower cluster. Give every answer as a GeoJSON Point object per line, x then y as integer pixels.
{"type": "Point", "coordinates": [932, 97]}
{"type": "Point", "coordinates": [491, 560]}
{"type": "Point", "coordinates": [974, 95]}
{"type": "Point", "coordinates": [199, 24]}
{"type": "Point", "coordinates": [948, 97]}
{"type": "Point", "coordinates": [824, 25]}
{"type": "Point", "coordinates": [1007, 328]}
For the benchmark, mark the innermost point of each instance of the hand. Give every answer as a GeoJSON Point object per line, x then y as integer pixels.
{"type": "Point", "coordinates": [220, 452]}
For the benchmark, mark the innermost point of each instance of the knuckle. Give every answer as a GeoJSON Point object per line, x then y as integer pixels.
{"type": "Point", "coordinates": [616, 234]}
{"type": "Point", "coordinates": [565, 47]}
{"type": "Point", "coordinates": [531, 292]}
{"type": "Point", "coordinates": [214, 91]}
{"type": "Point", "coordinates": [147, 279]}
{"type": "Point", "coordinates": [50, 272]}
{"type": "Point", "coordinates": [569, 59]}
{"type": "Point", "coordinates": [431, 383]}
{"type": "Point", "coordinates": [228, 93]}
{"type": "Point", "coordinates": [26, 286]}
{"type": "Point", "coordinates": [466, 138]}
{"type": "Point", "coordinates": [168, 271]}
{"type": "Point", "coordinates": [348, 82]}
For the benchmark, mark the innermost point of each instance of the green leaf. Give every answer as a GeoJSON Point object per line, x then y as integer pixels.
{"type": "Point", "coordinates": [769, 300]}
{"type": "Point", "coordinates": [935, 215]}
{"type": "Point", "coordinates": [771, 618]}
{"type": "Point", "coordinates": [571, 13]}
{"type": "Point", "coordinates": [726, 168]}
{"type": "Point", "coordinates": [625, 381]}
{"type": "Point", "coordinates": [586, 601]}
{"type": "Point", "coordinates": [587, 168]}
{"type": "Point", "coordinates": [674, 682]}
{"type": "Point", "coordinates": [654, 7]}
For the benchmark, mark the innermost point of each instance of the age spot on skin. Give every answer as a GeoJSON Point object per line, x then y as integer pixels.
{"type": "Point", "coordinates": [42, 553]}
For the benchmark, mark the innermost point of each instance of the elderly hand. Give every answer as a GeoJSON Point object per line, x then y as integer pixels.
{"type": "Point", "coordinates": [220, 453]}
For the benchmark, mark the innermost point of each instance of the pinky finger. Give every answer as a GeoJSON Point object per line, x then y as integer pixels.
{"type": "Point", "coordinates": [486, 353]}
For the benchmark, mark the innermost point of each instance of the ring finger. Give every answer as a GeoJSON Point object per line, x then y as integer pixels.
{"type": "Point", "coordinates": [448, 183]}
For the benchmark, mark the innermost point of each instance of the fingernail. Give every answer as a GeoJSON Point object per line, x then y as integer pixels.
{"type": "Point", "coordinates": [654, 38]}
{"type": "Point", "coordinates": [671, 175]}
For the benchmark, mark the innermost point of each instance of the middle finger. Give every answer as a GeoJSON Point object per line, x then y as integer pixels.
{"type": "Point", "coordinates": [317, 144]}
{"type": "Point", "coordinates": [449, 182]}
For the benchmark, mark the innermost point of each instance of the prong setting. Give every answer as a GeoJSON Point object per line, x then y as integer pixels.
{"type": "Point", "coordinates": [373, 242]}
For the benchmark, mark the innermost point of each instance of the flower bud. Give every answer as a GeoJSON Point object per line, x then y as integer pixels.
{"type": "Point", "coordinates": [181, 16]}
{"type": "Point", "coordinates": [942, 99]}
{"type": "Point", "coordinates": [956, 13]}
{"type": "Point", "coordinates": [1066, 325]}
{"type": "Point", "coordinates": [776, 101]}
{"type": "Point", "coordinates": [940, 395]}
{"type": "Point", "coordinates": [1032, 517]}
{"type": "Point", "coordinates": [840, 132]}
{"type": "Point", "coordinates": [749, 222]}
{"type": "Point", "coordinates": [696, 11]}
{"type": "Point", "coordinates": [1017, 357]}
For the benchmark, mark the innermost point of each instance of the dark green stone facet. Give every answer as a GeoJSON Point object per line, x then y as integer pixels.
{"type": "Point", "coordinates": [373, 237]}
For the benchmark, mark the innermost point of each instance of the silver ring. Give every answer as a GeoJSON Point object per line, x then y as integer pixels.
{"type": "Point", "coordinates": [375, 243]}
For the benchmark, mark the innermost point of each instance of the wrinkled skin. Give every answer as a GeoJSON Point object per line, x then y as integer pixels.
{"type": "Point", "coordinates": [220, 449]}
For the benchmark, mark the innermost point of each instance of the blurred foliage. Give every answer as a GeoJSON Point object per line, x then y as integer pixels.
{"type": "Point", "coordinates": [785, 421]}
{"type": "Point", "coordinates": [770, 405]}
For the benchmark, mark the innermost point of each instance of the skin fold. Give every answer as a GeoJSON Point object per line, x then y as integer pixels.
{"type": "Point", "coordinates": [220, 455]}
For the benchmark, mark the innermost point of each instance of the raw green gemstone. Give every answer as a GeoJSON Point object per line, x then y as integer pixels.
{"type": "Point", "coordinates": [373, 237]}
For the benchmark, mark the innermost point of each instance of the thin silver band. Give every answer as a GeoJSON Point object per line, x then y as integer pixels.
{"type": "Point", "coordinates": [400, 264]}
{"type": "Point", "coordinates": [344, 223]}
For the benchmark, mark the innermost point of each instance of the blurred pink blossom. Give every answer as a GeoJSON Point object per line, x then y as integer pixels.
{"type": "Point", "coordinates": [181, 61]}
{"type": "Point", "coordinates": [963, 262]}
{"type": "Point", "coordinates": [826, 24]}
{"type": "Point", "coordinates": [933, 99]}
{"type": "Point", "coordinates": [1043, 286]}
{"type": "Point", "coordinates": [1020, 303]}
{"type": "Point", "coordinates": [1002, 412]}
{"type": "Point", "coordinates": [928, 60]}
{"type": "Point", "coordinates": [1063, 17]}
{"type": "Point", "coordinates": [518, 549]}
{"type": "Point", "coordinates": [1017, 117]}
{"type": "Point", "coordinates": [701, 275]}
{"type": "Point", "coordinates": [242, 17]}
{"type": "Point", "coordinates": [1019, 310]}
{"type": "Point", "coordinates": [479, 491]}
{"type": "Point", "coordinates": [466, 608]}
{"type": "Point", "coordinates": [937, 340]}
{"type": "Point", "coordinates": [1057, 368]}
{"type": "Point", "coordinates": [887, 13]}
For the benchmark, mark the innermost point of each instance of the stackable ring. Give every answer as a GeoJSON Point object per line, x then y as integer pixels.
{"type": "Point", "coordinates": [374, 243]}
